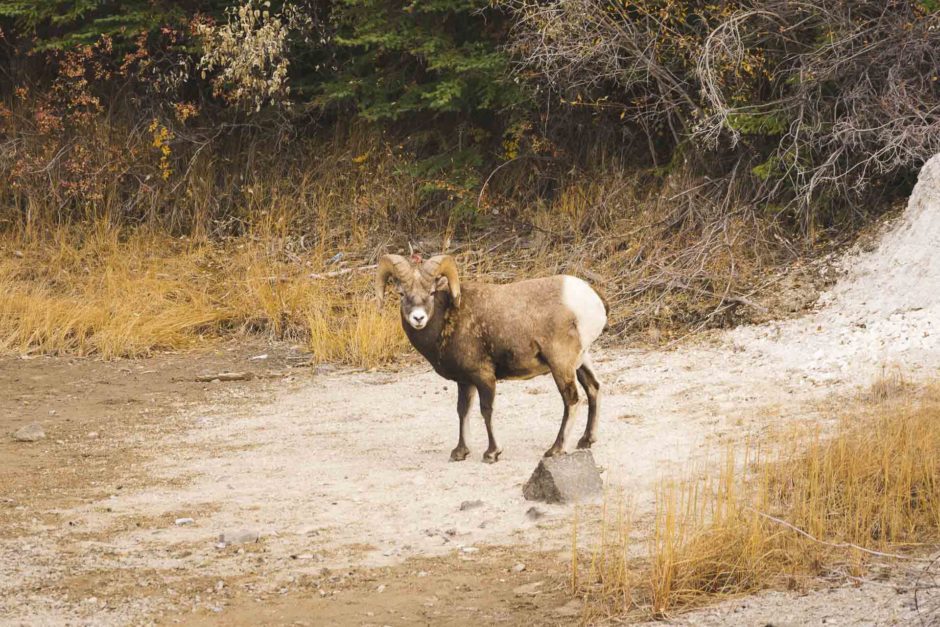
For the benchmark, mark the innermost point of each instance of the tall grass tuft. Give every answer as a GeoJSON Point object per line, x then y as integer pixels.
{"type": "Point", "coordinates": [101, 291]}
{"type": "Point", "coordinates": [820, 502]}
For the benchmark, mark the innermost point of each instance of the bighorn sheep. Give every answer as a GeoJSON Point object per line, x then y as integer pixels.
{"type": "Point", "coordinates": [478, 333]}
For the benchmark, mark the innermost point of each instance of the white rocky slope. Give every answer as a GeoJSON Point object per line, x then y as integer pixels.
{"type": "Point", "coordinates": [884, 311]}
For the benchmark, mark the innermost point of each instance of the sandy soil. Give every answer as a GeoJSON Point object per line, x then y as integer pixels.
{"type": "Point", "coordinates": [345, 493]}
{"type": "Point", "coordinates": [342, 482]}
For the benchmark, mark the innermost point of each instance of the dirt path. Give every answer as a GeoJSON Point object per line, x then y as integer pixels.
{"type": "Point", "coordinates": [341, 472]}
{"type": "Point", "coordinates": [332, 471]}
{"type": "Point", "coordinates": [345, 473]}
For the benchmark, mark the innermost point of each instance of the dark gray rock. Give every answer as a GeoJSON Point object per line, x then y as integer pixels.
{"type": "Point", "coordinates": [564, 479]}
{"type": "Point", "coordinates": [534, 513]}
{"type": "Point", "coordinates": [32, 432]}
{"type": "Point", "coordinates": [470, 505]}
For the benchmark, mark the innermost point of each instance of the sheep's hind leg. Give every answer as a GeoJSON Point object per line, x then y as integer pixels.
{"type": "Point", "coordinates": [487, 390]}
{"type": "Point", "coordinates": [589, 382]}
{"type": "Point", "coordinates": [465, 394]}
{"type": "Point", "coordinates": [564, 379]}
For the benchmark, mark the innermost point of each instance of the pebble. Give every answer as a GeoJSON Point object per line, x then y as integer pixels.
{"type": "Point", "coordinates": [242, 536]}
{"type": "Point", "coordinates": [529, 589]}
{"type": "Point", "coordinates": [184, 521]}
{"type": "Point", "coordinates": [467, 505]}
{"type": "Point", "coordinates": [381, 588]}
{"type": "Point", "coordinates": [470, 549]}
{"type": "Point", "coordinates": [518, 568]}
{"type": "Point", "coordinates": [534, 513]}
{"type": "Point", "coordinates": [571, 608]}
{"type": "Point", "coordinates": [32, 432]}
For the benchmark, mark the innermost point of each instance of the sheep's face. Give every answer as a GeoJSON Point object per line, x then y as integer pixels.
{"type": "Point", "coordinates": [417, 298]}
{"type": "Point", "coordinates": [418, 284]}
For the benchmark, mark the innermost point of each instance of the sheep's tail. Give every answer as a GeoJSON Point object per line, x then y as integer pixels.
{"type": "Point", "coordinates": [606, 309]}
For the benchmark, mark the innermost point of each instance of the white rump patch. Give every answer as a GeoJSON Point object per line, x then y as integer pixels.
{"type": "Point", "coordinates": [587, 307]}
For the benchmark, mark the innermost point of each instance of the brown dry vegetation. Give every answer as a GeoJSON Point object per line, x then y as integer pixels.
{"type": "Point", "coordinates": [94, 291]}
{"type": "Point", "coordinates": [115, 286]}
{"type": "Point", "coordinates": [822, 502]}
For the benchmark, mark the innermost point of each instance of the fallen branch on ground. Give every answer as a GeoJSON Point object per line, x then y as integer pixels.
{"type": "Point", "coordinates": [335, 273]}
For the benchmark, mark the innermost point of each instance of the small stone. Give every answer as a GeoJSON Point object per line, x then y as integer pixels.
{"type": "Point", "coordinates": [534, 513]}
{"type": "Point", "coordinates": [92, 435]}
{"type": "Point", "coordinates": [569, 609]}
{"type": "Point", "coordinates": [242, 536]}
{"type": "Point", "coordinates": [422, 573]}
{"type": "Point", "coordinates": [32, 432]}
{"type": "Point", "coordinates": [183, 521]}
{"type": "Point", "coordinates": [219, 585]}
{"type": "Point", "coordinates": [564, 479]}
{"type": "Point", "coordinates": [529, 589]}
{"type": "Point", "coordinates": [467, 505]}
{"type": "Point", "coordinates": [381, 588]}
{"type": "Point", "coordinates": [470, 549]}
{"type": "Point", "coordinates": [518, 568]}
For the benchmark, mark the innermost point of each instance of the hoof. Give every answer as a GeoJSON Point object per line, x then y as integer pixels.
{"type": "Point", "coordinates": [585, 442]}
{"type": "Point", "coordinates": [491, 457]}
{"type": "Point", "coordinates": [459, 454]}
{"type": "Point", "coordinates": [555, 451]}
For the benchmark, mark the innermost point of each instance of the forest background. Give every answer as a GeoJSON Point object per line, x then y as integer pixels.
{"type": "Point", "coordinates": [179, 172]}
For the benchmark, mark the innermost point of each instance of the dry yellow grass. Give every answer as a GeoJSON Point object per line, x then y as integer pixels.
{"type": "Point", "coordinates": [802, 505]}
{"type": "Point", "coordinates": [99, 292]}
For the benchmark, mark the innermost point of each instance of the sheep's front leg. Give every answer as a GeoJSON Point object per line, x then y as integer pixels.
{"type": "Point", "coordinates": [487, 390]}
{"type": "Point", "coordinates": [465, 394]}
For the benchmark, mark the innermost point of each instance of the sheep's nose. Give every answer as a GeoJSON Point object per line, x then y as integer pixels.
{"type": "Point", "coordinates": [418, 317]}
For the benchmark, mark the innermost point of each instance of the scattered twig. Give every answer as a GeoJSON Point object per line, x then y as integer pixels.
{"type": "Point", "coordinates": [226, 376]}
{"type": "Point", "coordinates": [918, 602]}
{"type": "Point", "coordinates": [838, 545]}
{"type": "Point", "coordinates": [335, 273]}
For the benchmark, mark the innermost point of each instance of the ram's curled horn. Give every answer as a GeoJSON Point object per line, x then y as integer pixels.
{"type": "Point", "coordinates": [389, 266]}
{"type": "Point", "coordinates": [444, 265]}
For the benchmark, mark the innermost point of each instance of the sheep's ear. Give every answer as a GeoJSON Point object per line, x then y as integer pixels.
{"type": "Point", "coordinates": [441, 283]}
